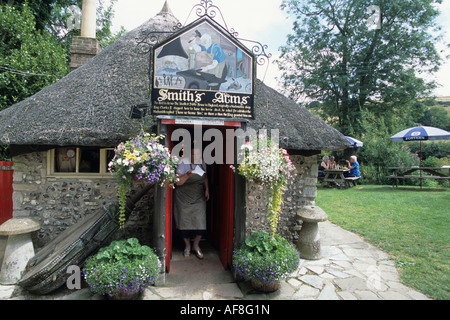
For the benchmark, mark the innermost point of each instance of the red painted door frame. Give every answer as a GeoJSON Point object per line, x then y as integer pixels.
{"type": "Point", "coordinates": [223, 224]}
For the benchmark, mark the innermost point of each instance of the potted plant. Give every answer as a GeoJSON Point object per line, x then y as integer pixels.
{"type": "Point", "coordinates": [122, 269]}
{"type": "Point", "coordinates": [265, 260]}
{"type": "Point", "coordinates": [144, 160]}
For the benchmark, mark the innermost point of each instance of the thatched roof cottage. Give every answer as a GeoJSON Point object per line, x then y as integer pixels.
{"type": "Point", "coordinates": [62, 139]}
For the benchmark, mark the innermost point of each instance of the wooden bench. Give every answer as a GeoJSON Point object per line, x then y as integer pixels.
{"type": "Point", "coordinates": [405, 173]}
{"type": "Point", "coordinates": [351, 180]}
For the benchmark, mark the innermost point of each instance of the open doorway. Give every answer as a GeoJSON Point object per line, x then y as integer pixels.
{"type": "Point", "coordinates": [218, 242]}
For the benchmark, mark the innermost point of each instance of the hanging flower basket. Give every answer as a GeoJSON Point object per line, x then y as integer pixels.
{"type": "Point", "coordinates": [141, 160]}
{"type": "Point", "coordinates": [267, 164]}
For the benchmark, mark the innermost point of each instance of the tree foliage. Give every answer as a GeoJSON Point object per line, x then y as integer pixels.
{"type": "Point", "coordinates": [30, 59]}
{"type": "Point", "coordinates": [35, 44]}
{"type": "Point", "coordinates": [333, 57]}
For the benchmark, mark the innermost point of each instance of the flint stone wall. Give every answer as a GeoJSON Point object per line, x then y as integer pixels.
{"type": "Point", "coordinates": [58, 203]}
{"type": "Point", "coordinates": [301, 193]}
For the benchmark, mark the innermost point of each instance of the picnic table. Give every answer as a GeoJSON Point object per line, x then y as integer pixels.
{"type": "Point", "coordinates": [437, 173]}
{"type": "Point", "coordinates": [337, 176]}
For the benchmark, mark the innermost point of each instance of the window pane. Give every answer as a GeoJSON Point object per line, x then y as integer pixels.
{"type": "Point", "coordinates": [89, 160]}
{"type": "Point", "coordinates": [109, 156]}
{"type": "Point", "coordinates": [65, 159]}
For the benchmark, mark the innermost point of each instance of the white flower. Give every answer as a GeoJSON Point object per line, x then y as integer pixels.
{"type": "Point", "coordinates": [119, 161]}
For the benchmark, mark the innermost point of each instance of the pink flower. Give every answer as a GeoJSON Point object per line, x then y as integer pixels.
{"type": "Point", "coordinates": [143, 169]}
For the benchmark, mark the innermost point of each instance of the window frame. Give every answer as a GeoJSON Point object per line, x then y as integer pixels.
{"type": "Point", "coordinates": [103, 172]}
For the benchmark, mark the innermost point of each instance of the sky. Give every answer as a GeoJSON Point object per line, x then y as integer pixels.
{"type": "Point", "coordinates": [259, 20]}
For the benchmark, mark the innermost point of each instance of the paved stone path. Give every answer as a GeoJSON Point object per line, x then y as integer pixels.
{"type": "Point", "coordinates": [350, 269]}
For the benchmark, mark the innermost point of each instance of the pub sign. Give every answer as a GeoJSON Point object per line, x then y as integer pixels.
{"type": "Point", "coordinates": [202, 71]}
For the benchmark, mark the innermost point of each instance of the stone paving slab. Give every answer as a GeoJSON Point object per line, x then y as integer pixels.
{"type": "Point", "coordinates": [350, 269]}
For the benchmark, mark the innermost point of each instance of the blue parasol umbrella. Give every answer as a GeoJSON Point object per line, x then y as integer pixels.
{"type": "Point", "coordinates": [421, 133]}
{"type": "Point", "coordinates": [355, 142]}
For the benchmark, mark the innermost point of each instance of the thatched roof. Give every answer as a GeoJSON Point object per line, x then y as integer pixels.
{"type": "Point", "coordinates": [90, 106]}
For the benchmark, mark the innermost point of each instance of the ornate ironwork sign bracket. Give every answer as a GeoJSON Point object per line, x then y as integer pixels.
{"type": "Point", "coordinates": [209, 9]}
{"type": "Point", "coordinates": [147, 39]}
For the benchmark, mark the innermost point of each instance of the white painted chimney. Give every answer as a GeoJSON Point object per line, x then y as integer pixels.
{"type": "Point", "coordinates": [88, 19]}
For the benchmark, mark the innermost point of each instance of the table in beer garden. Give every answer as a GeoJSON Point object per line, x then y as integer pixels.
{"type": "Point", "coordinates": [335, 175]}
{"type": "Point", "coordinates": [438, 173]}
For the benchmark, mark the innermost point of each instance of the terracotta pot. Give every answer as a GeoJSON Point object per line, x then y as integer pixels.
{"type": "Point", "coordinates": [265, 287]}
{"type": "Point", "coordinates": [125, 296]}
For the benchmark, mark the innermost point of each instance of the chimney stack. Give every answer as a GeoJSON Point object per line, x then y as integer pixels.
{"type": "Point", "coordinates": [86, 46]}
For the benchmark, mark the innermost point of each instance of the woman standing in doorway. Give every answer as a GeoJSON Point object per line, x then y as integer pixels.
{"type": "Point", "coordinates": [190, 198]}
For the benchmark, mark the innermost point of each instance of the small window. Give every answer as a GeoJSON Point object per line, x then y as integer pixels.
{"type": "Point", "coordinates": [65, 160]}
{"type": "Point", "coordinates": [90, 160]}
{"type": "Point", "coordinates": [79, 161]}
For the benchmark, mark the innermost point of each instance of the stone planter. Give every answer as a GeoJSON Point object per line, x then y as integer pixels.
{"type": "Point", "coordinates": [308, 243]}
{"type": "Point", "coordinates": [265, 287]}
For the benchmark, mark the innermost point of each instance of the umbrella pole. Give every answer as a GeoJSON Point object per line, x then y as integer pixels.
{"type": "Point", "coordinates": [420, 164]}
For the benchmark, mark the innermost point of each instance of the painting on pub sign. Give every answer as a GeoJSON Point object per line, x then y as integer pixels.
{"type": "Point", "coordinates": [202, 72]}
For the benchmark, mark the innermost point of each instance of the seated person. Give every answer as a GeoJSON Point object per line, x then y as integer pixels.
{"type": "Point", "coordinates": [353, 165]}
{"type": "Point", "coordinates": [323, 166]}
{"type": "Point", "coordinates": [332, 163]}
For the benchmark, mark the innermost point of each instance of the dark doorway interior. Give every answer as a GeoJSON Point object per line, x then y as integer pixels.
{"type": "Point", "coordinates": [219, 239]}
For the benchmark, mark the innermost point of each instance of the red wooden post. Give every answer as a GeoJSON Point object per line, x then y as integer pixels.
{"type": "Point", "coordinates": [6, 190]}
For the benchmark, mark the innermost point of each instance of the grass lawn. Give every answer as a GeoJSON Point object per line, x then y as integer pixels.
{"type": "Point", "coordinates": [413, 226]}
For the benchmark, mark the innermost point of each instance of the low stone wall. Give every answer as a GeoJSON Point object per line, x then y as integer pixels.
{"type": "Point", "coordinates": [302, 192]}
{"type": "Point", "coordinates": [58, 203]}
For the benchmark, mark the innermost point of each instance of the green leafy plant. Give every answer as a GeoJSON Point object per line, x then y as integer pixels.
{"type": "Point", "coordinates": [123, 267]}
{"type": "Point", "coordinates": [265, 258]}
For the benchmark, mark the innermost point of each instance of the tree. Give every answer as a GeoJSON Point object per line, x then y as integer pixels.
{"type": "Point", "coordinates": [30, 59]}
{"type": "Point", "coordinates": [333, 57]}
{"type": "Point", "coordinates": [34, 45]}
{"type": "Point", "coordinates": [436, 117]}
{"type": "Point", "coordinates": [53, 16]}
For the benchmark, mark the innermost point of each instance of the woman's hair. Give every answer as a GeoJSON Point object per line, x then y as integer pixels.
{"type": "Point", "coordinates": [324, 158]}
{"type": "Point", "coordinates": [354, 158]}
{"type": "Point", "coordinates": [332, 157]}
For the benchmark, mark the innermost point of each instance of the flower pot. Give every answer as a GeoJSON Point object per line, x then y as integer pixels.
{"type": "Point", "coordinates": [265, 287]}
{"type": "Point", "coordinates": [121, 295]}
